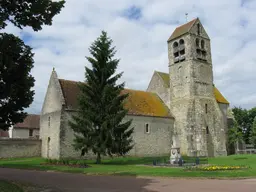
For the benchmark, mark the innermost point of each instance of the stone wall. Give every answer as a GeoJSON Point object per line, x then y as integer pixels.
{"type": "Point", "coordinates": [155, 143]}
{"type": "Point", "coordinates": [10, 148]}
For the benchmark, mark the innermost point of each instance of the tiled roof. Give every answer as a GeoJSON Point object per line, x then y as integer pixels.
{"type": "Point", "coordinates": [219, 97]}
{"type": "Point", "coordinates": [138, 103]}
{"type": "Point", "coordinates": [182, 29]}
{"type": "Point", "coordinates": [31, 121]}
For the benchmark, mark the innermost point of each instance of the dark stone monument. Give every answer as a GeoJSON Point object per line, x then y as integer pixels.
{"type": "Point", "coordinates": [197, 161]}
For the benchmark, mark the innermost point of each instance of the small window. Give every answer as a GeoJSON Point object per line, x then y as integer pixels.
{"type": "Point", "coordinates": [206, 110]}
{"type": "Point", "coordinates": [198, 29]}
{"type": "Point", "coordinates": [147, 128]}
{"type": "Point", "coordinates": [30, 132]}
{"type": "Point", "coordinates": [182, 52]}
{"type": "Point", "coordinates": [207, 130]}
{"type": "Point", "coordinates": [202, 44]}
{"type": "Point", "coordinates": [197, 42]}
{"type": "Point", "coordinates": [182, 42]}
{"type": "Point", "coordinates": [49, 121]}
{"type": "Point", "coordinates": [175, 44]}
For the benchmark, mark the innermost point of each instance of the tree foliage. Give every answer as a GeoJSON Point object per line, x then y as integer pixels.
{"type": "Point", "coordinates": [235, 134]}
{"type": "Point", "coordinates": [16, 58]}
{"type": "Point", "coordinates": [31, 13]}
{"type": "Point", "coordinates": [99, 125]}
{"type": "Point", "coordinates": [16, 61]}
{"type": "Point", "coordinates": [253, 133]}
{"type": "Point", "coordinates": [244, 120]}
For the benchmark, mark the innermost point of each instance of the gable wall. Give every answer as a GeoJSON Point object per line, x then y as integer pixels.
{"type": "Point", "coordinates": [50, 119]}
{"type": "Point", "coordinates": [157, 86]}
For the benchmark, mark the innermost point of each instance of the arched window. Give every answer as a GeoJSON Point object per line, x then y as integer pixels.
{"type": "Point", "coordinates": [197, 42]}
{"type": "Point", "coordinates": [202, 44]}
{"type": "Point", "coordinates": [182, 42]}
{"type": "Point", "coordinates": [175, 44]}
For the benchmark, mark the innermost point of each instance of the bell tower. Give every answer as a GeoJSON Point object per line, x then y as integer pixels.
{"type": "Point", "coordinates": [198, 119]}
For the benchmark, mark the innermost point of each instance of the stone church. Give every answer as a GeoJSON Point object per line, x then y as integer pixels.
{"type": "Point", "coordinates": [181, 108]}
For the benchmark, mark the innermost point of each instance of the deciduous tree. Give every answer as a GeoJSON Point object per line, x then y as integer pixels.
{"type": "Point", "coordinates": [16, 58]}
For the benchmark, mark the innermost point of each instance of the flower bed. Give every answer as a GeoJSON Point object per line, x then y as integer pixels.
{"type": "Point", "coordinates": [65, 162]}
{"type": "Point", "coordinates": [215, 168]}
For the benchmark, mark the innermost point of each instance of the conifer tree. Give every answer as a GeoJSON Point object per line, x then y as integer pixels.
{"type": "Point", "coordinates": [99, 125]}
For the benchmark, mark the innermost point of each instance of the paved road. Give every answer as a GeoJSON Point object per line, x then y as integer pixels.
{"type": "Point", "coordinates": [68, 182]}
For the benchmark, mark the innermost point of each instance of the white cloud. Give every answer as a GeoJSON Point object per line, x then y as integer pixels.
{"type": "Point", "coordinates": [141, 44]}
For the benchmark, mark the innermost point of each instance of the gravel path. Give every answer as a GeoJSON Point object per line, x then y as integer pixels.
{"type": "Point", "coordinates": [68, 182]}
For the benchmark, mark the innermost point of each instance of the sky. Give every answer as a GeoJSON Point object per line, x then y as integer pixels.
{"type": "Point", "coordinates": [139, 30]}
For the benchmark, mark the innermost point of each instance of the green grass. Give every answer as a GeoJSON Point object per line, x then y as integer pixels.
{"type": "Point", "coordinates": [6, 186]}
{"type": "Point", "coordinates": [136, 166]}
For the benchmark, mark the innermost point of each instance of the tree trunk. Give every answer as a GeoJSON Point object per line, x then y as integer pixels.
{"type": "Point", "coordinates": [98, 161]}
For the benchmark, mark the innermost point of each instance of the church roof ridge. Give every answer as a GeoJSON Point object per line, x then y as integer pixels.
{"type": "Point", "coordinates": [182, 29]}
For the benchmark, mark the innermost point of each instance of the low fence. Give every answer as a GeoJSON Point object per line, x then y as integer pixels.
{"type": "Point", "coordinates": [11, 148]}
{"type": "Point", "coordinates": [246, 151]}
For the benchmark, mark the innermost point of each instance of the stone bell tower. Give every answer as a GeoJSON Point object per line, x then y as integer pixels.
{"type": "Point", "coordinates": [199, 124]}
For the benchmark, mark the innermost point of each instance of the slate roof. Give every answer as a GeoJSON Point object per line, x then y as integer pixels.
{"type": "Point", "coordinates": [219, 97]}
{"type": "Point", "coordinates": [138, 103]}
{"type": "Point", "coordinates": [181, 30]}
{"type": "Point", "coordinates": [31, 121]}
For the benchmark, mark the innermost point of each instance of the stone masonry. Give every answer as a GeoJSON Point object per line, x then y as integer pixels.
{"type": "Point", "coordinates": [199, 122]}
{"type": "Point", "coordinates": [180, 109]}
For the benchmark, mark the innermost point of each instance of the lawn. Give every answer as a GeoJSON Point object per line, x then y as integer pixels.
{"type": "Point", "coordinates": [6, 186]}
{"type": "Point", "coordinates": [136, 166]}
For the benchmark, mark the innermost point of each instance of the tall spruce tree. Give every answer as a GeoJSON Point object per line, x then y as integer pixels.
{"type": "Point", "coordinates": [99, 125]}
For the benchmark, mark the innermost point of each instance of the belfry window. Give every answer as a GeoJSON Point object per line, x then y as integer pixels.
{"type": "Point", "coordinates": [202, 44]}
{"type": "Point", "coordinates": [175, 44]}
{"type": "Point", "coordinates": [198, 29]}
{"type": "Point", "coordinates": [206, 108]}
{"type": "Point", "coordinates": [182, 42]}
{"type": "Point", "coordinates": [176, 54]}
{"type": "Point", "coordinates": [197, 42]}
